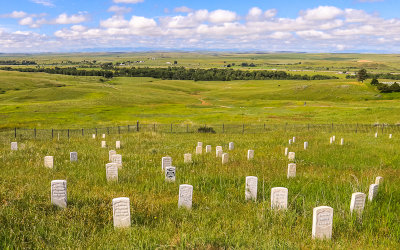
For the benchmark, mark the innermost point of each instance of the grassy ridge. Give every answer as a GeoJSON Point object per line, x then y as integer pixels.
{"type": "Point", "coordinates": [326, 175]}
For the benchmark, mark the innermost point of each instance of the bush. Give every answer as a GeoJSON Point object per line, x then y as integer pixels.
{"type": "Point", "coordinates": [206, 129]}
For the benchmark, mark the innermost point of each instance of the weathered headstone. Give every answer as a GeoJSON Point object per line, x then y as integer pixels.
{"type": "Point", "coordinates": [118, 144]}
{"type": "Point", "coordinates": [378, 180]}
{"type": "Point", "coordinates": [342, 141]}
{"type": "Point", "coordinates": [170, 174]}
{"type": "Point", "coordinates": [286, 151]}
{"type": "Point", "coordinates": [250, 154]}
{"type": "Point", "coordinates": [219, 153]}
{"type": "Point", "coordinates": [292, 156]}
{"type": "Point", "coordinates": [231, 146]}
{"type": "Point", "coordinates": [112, 171]}
{"type": "Point", "coordinates": [59, 193]}
{"type": "Point", "coordinates": [94, 136]}
{"type": "Point", "coordinates": [166, 162]}
{"type": "Point", "coordinates": [357, 202]}
{"type": "Point", "coordinates": [376, 135]}
{"type": "Point", "coordinates": [117, 158]}
{"type": "Point", "coordinates": [333, 138]}
{"type": "Point", "coordinates": [290, 141]}
{"type": "Point", "coordinates": [390, 136]}
{"type": "Point", "coordinates": [279, 198]}
{"type": "Point", "coordinates": [48, 161]}
{"type": "Point", "coordinates": [103, 144]}
{"type": "Point", "coordinates": [373, 191]}
{"type": "Point", "coordinates": [305, 145]}
{"type": "Point", "coordinates": [73, 156]}
{"type": "Point", "coordinates": [110, 154]}
{"type": "Point", "coordinates": [121, 212]}
{"type": "Point", "coordinates": [185, 196]}
{"type": "Point", "coordinates": [291, 172]}
{"type": "Point", "coordinates": [199, 144]}
{"type": "Point", "coordinates": [187, 158]}
{"type": "Point", "coordinates": [199, 150]}
{"type": "Point", "coordinates": [251, 188]}
{"type": "Point", "coordinates": [294, 139]}
{"type": "Point", "coordinates": [322, 222]}
{"type": "Point", "coordinates": [225, 158]}
{"type": "Point", "coordinates": [14, 146]}
{"type": "Point", "coordinates": [208, 149]}
{"type": "Point", "coordinates": [103, 136]}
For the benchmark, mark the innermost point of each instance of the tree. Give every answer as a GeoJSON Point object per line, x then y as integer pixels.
{"type": "Point", "coordinates": [374, 82]}
{"type": "Point", "coordinates": [362, 75]}
{"type": "Point", "coordinates": [395, 87]}
{"type": "Point", "coordinates": [384, 88]}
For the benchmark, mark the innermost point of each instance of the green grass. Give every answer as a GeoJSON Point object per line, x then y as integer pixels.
{"type": "Point", "coordinates": [220, 218]}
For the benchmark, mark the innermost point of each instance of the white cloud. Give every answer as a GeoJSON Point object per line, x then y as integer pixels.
{"type": "Point", "coordinates": [139, 22]}
{"type": "Point", "coordinates": [119, 9]}
{"type": "Point", "coordinates": [114, 22]}
{"type": "Point", "coordinates": [183, 9]}
{"type": "Point", "coordinates": [47, 3]}
{"type": "Point", "coordinates": [128, 1]}
{"type": "Point", "coordinates": [270, 13]}
{"type": "Point", "coordinates": [15, 14]}
{"type": "Point", "coordinates": [222, 16]}
{"type": "Point", "coordinates": [26, 21]}
{"type": "Point", "coordinates": [254, 13]}
{"type": "Point", "coordinates": [322, 13]}
{"type": "Point", "coordinates": [73, 19]}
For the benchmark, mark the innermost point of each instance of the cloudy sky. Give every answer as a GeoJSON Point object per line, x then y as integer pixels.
{"type": "Point", "coordinates": [262, 25]}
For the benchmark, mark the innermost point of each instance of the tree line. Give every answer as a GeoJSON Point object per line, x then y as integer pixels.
{"type": "Point", "coordinates": [13, 62]}
{"type": "Point", "coordinates": [178, 73]}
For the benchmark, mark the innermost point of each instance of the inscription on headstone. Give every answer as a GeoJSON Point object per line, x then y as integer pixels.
{"type": "Point", "coordinates": [170, 174]}
{"type": "Point", "coordinates": [73, 156]}
{"type": "Point", "coordinates": [112, 171]}
{"type": "Point", "coordinates": [48, 161]}
{"type": "Point", "coordinates": [279, 198]}
{"type": "Point", "coordinates": [357, 202]}
{"type": "Point", "coordinates": [291, 172]}
{"type": "Point", "coordinates": [322, 222]}
{"type": "Point", "coordinates": [14, 146]}
{"type": "Point", "coordinates": [121, 212]}
{"type": "Point", "coordinates": [373, 191]}
{"type": "Point", "coordinates": [251, 188]}
{"type": "Point", "coordinates": [166, 162]}
{"type": "Point", "coordinates": [59, 193]}
{"type": "Point", "coordinates": [185, 196]}
{"type": "Point", "coordinates": [187, 158]}
{"type": "Point", "coordinates": [116, 159]}
{"type": "Point", "coordinates": [250, 154]}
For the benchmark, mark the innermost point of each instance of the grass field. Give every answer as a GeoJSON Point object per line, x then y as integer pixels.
{"type": "Point", "coordinates": [220, 218]}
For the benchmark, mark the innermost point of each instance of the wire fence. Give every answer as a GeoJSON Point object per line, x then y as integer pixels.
{"type": "Point", "coordinates": [24, 133]}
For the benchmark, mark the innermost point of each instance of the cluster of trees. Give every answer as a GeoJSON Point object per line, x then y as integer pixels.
{"type": "Point", "coordinates": [178, 73]}
{"type": "Point", "coordinates": [386, 88]}
{"type": "Point", "coordinates": [362, 75]}
{"type": "Point", "coordinates": [13, 62]}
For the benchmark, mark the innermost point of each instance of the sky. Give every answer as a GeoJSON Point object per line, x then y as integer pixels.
{"type": "Point", "coordinates": [34, 26]}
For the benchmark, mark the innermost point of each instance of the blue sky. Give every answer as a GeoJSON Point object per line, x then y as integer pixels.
{"type": "Point", "coordinates": [263, 25]}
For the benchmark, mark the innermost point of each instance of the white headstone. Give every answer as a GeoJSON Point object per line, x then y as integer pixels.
{"type": "Point", "coordinates": [250, 154]}
{"type": "Point", "coordinates": [112, 171]}
{"type": "Point", "coordinates": [376, 135]}
{"type": "Point", "coordinates": [219, 153]}
{"type": "Point", "coordinates": [279, 198]}
{"type": "Point", "coordinates": [294, 139]}
{"type": "Point", "coordinates": [199, 150]}
{"type": "Point", "coordinates": [121, 212]}
{"type": "Point", "coordinates": [286, 151]}
{"type": "Point", "coordinates": [231, 146]}
{"type": "Point", "coordinates": [390, 136]}
{"type": "Point", "coordinates": [187, 158]}
{"type": "Point", "coordinates": [103, 144]}
{"type": "Point", "coordinates": [290, 141]}
{"type": "Point", "coordinates": [73, 156]}
{"type": "Point", "coordinates": [305, 145]}
{"type": "Point", "coordinates": [103, 136]}
{"type": "Point", "coordinates": [251, 188]}
{"type": "Point", "coordinates": [357, 202]}
{"type": "Point", "coordinates": [208, 149]}
{"type": "Point", "coordinates": [291, 171]}
{"type": "Point", "coordinates": [110, 154]}
{"type": "Point", "coordinates": [170, 174]}
{"type": "Point", "coordinates": [322, 222]}
{"type": "Point", "coordinates": [166, 162]}
{"type": "Point", "coordinates": [333, 138]}
{"type": "Point", "coordinates": [225, 158]}
{"type": "Point", "coordinates": [48, 161]}
{"type": "Point", "coordinates": [59, 193]}
{"type": "Point", "coordinates": [118, 144]}
{"type": "Point", "coordinates": [94, 136]}
{"type": "Point", "coordinates": [185, 196]}
{"type": "Point", "coordinates": [342, 141]}
{"type": "Point", "coordinates": [292, 156]}
{"type": "Point", "coordinates": [14, 146]}
{"type": "Point", "coordinates": [373, 191]}
{"type": "Point", "coordinates": [199, 144]}
{"type": "Point", "coordinates": [378, 180]}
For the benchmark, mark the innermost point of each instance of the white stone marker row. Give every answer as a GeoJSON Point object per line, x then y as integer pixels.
{"type": "Point", "coordinates": [250, 154]}
{"type": "Point", "coordinates": [322, 222]}
{"type": "Point", "coordinates": [121, 212]}
{"type": "Point", "coordinates": [112, 171]}
{"type": "Point", "coordinates": [59, 193]}
{"type": "Point", "coordinates": [187, 158]}
{"type": "Point", "coordinates": [225, 158]}
{"type": "Point", "coordinates": [73, 156]}
{"type": "Point", "coordinates": [170, 174]}
{"type": "Point", "coordinates": [166, 162]}
{"type": "Point", "coordinates": [14, 146]}
{"type": "Point", "coordinates": [185, 196]}
{"type": "Point", "coordinates": [291, 172]}
{"type": "Point", "coordinates": [48, 161]}
{"type": "Point", "coordinates": [208, 149]}
{"type": "Point", "coordinates": [231, 146]}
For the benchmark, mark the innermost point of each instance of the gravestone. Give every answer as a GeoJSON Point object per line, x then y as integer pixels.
{"type": "Point", "coordinates": [333, 138]}
{"type": "Point", "coordinates": [121, 212]}
{"type": "Point", "coordinates": [390, 136]}
{"type": "Point", "coordinates": [199, 150]}
{"type": "Point", "coordinates": [112, 171]}
{"type": "Point", "coordinates": [373, 191]}
{"type": "Point", "coordinates": [294, 139]}
{"type": "Point", "coordinates": [231, 146]}
{"type": "Point", "coordinates": [286, 151]}
{"type": "Point", "coordinates": [305, 145]}
{"type": "Point", "coordinates": [118, 144]}
{"type": "Point", "coordinates": [166, 162]}
{"type": "Point", "coordinates": [251, 188]}
{"type": "Point", "coordinates": [103, 136]}
{"type": "Point", "coordinates": [48, 161]}
{"type": "Point", "coordinates": [378, 180]}
{"type": "Point", "coordinates": [94, 136]}
{"type": "Point", "coordinates": [208, 149]}
{"type": "Point", "coordinates": [187, 158]}
{"type": "Point", "coordinates": [225, 158]}
{"type": "Point", "coordinates": [103, 144]}
{"type": "Point", "coordinates": [357, 202]}
{"type": "Point", "coordinates": [342, 141]}
{"type": "Point", "coordinates": [14, 146]}
{"type": "Point", "coordinates": [290, 141]}
{"type": "Point", "coordinates": [110, 154]}
{"type": "Point", "coordinates": [279, 198]}
{"type": "Point", "coordinates": [170, 174]}
{"type": "Point", "coordinates": [250, 154]}
{"type": "Point", "coordinates": [185, 196]}
{"type": "Point", "coordinates": [73, 156]}
{"type": "Point", "coordinates": [322, 222]}
{"type": "Point", "coordinates": [292, 156]}
{"type": "Point", "coordinates": [291, 172]}
{"type": "Point", "coordinates": [376, 135]}
{"type": "Point", "coordinates": [199, 144]}
{"type": "Point", "coordinates": [219, 153]}
{"type": "Point", "coordinates": [59, 193]}
{"type": "Point", "coordinates": [117, 159]}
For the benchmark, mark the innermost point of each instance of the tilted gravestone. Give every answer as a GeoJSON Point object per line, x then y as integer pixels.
{"type": "Point", "coordinates": [185, 196]}
{"type": "Point", "coordinates": [373, 191]}
{"type": "Point", "coordinates": [279, 198]}
{"type": "Point", "coordinates": [166, 161]}
{"type": "Point", "coordinates": [218, 151]}
{"type": "Point", "coordinates": [291, 172]}
{"type": "Point", "coordinates": [112, 171]}
{"type": "Point", "coordinates": [357, 202]}
{"type": "Point", "coordinates": [14, 146]}
{"type": "Point", "coordinates": [250, 154]}
{"type": "Point", "coordinates": [121, 212]}
{"type": "Point", "coordinates": [225, 158]}
{"type": "Point", "coordinates": [378, 180]}
{"type": "Point", "coordinates": [73, 156]}
{"type": "Point", "coordinates": [170, 174]}
{"type": "Point", "coordinates": [322, 222]}
{"type": "Point", "coordinates": [48, 162]}
{"type": "Point", "coordinates": [251, 188]}
{"type": "Point", "coordinates": [59, 193]}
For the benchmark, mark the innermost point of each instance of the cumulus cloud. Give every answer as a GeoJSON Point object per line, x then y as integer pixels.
{"type": "Point", "coordinates": [47, 3]}
{"type": "Point", "coordinates": [128, 1]}
{"type": "Point", "coordinates": [222, 16]}
{"type": "Point", "coordinates": [15, 14]}
{"type": "Point", "coordinates": [183, 9]}
{"type": "Point", "coordinates": [322, 13]}
{"type": "Point", "coordinates": [119, 10]}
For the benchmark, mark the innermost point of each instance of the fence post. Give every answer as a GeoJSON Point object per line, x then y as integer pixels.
{"type": "Point", "coordinates": [52, 133]}
{"type": "Point", "coordinates": [154, 127]}
{"type": "Point", "coordinates": [137, 126]}
{"type": "Point", "coordinates": [243, 128]}
{"type": "Point", "coordinates": [96, 132]}
{"type": "Point", "coordinates": [187, 128]}
{"type": "Point", "coordinates": [119, 130]}
{"type": "Point", "coordinates": [68, 133]}
{"type": "Point", "coordinates": [35, 132]}
{"type": "Point", "coordinates": [171, 127]}
{"type": "Point", "coordinates": [82, 133]}
{"type": "Point", "coordinates": [332, 127]}
{"type": "Point", "coordinates": [15, 132]}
